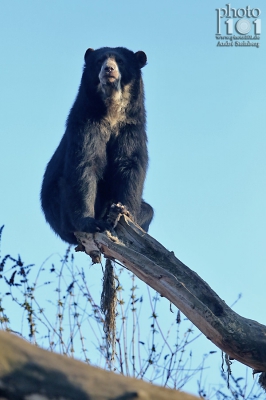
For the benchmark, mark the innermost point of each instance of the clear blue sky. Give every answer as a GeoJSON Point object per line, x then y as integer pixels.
{"type": "Point", "coordinates": [206, 123]}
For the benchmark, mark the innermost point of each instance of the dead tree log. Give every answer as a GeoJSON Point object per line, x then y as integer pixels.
{"type": "Point", "coordinates": [30, 373]}
{"type": "Point", "coordinates": [240, 338]}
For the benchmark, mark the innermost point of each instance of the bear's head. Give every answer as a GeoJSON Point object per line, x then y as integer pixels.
{"type": "Point", "coordinates": [112, 69]}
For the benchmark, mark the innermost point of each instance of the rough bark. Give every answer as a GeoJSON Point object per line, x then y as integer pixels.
{"type": "Point", "coordinates": [30, 373]}
{"type": "Point", "coordinates": [241, 338]}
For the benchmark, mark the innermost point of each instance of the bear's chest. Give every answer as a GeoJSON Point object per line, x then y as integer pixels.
{"type": "Point", "coordinates": [117, 103]}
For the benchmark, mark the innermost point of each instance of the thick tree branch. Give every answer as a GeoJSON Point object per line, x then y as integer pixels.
{"type": "Point", "coordinates": [241, 338]}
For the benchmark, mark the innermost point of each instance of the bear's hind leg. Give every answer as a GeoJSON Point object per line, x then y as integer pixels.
{"type": "Point", "coordinates": [145, 216]}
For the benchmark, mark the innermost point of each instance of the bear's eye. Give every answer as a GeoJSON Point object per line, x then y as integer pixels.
{"type": "Point", "coordinates": [120, 61]}
{"type": "Point", "coordinates": [99, 61]}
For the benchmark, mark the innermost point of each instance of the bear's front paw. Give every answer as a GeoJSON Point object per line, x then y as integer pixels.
{"type": "Point", "coordinates": [116, 210]}
{"type": "Point", "coordinates": [101, 226]}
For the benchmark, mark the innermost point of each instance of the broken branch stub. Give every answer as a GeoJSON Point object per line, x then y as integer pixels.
{"type": "Point", "coordinates": [91, 248]}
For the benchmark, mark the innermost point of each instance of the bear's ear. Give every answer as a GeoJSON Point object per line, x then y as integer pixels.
{"type": "Point", "coordinates": [141, 58]}
{"type": "Point", "coordinates": [87, 53]}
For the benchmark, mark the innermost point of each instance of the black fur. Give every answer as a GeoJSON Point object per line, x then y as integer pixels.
{"type": "Point", "coordinates": [102, 157]}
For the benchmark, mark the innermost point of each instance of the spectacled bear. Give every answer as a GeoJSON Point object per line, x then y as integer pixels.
{"type": "Point", "coordinates": [102, 157]}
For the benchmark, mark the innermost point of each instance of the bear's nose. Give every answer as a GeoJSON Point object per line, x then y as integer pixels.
{"type": "Point", "coordinates": [108, 68]}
